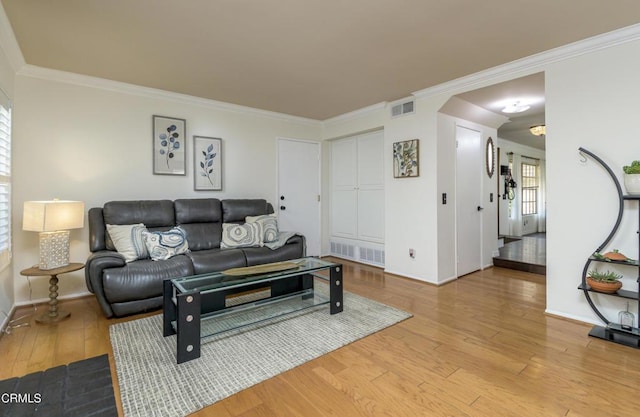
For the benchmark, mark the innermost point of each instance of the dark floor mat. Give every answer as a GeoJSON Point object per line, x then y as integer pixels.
{"type": "Point", "coordinates": [82, 388]}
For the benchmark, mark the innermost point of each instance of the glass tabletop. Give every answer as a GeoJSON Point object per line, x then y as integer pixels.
{"type": "Point", "coordinates": [242, 276]}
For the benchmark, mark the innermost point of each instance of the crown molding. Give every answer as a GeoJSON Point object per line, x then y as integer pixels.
{"type": "Point", "coordinates": [356, 113]}
{"type": "Point", "coordinates": [154, 93]}
{"type": "Point", "coordinates": [534, 63]}
{"type": "Point", "coordinates": [9, 43]}
{"type": "Point", "coordinates": [514, 69]}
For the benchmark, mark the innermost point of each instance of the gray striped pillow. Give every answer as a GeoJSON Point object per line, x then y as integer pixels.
{"type": "Point", "coordinates": [242, 235]}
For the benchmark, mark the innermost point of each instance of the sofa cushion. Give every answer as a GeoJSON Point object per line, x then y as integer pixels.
{"type": "Point", "coordinates": [143, 278]}
{"type": "Point", "coordinates": [128, 240]}
{"type": "Point", "coordinates": [242, 235]}
{"type": "Point", "coordinates": [236, 210]}
{"type": "Point", "coordinates": [258, 256]}
{"type": "Point", "coordinates": [201, 220]}
{"type": "Point", "coordinates": [203, 236]}
{"type": "Point", "coordinates": [155, 214]}
{"type": "Point", "coordinates": [269, 224]}
{"type": "Point", "coordinates": [214, 260]}
{"type": "Point", "coordinates": [165, 245]}
{"type": "Point", "coordinates": [198, 210]}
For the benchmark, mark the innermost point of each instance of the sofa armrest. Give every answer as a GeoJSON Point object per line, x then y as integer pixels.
{"type": "Point", "coordinates": [296, 239]}
{"type": "Point", "coordinates": [96, 264]}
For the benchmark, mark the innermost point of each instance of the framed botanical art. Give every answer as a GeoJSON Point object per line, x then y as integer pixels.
{"type": "Point", "coordinates": [406, 159]}
{"type": "Point", "coordinates": [169, 146]}
{"type": "Point", "coordinates": [207, 165]}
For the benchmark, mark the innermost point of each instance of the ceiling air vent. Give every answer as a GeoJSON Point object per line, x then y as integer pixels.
{"type": "Point", "coordinates": [402, 108]}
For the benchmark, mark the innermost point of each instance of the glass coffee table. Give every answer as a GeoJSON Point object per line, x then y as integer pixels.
{"type": "Point", "coordinates": [196, 306]}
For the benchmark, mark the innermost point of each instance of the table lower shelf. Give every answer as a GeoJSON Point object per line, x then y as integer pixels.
{"type": "Point", "coordinates": [614, 333]}
{"type": "Point", "coordinates": [232, 318]}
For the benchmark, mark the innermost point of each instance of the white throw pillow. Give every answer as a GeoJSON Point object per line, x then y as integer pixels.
{"type": "Point", "coordinates": [269, 225]}
{"type": "Point", "coordinates": [164, 245]}
{"type": "Point", "coordinates": [242, 235]}
{"type": "Point", "coordinates": [128, 240]}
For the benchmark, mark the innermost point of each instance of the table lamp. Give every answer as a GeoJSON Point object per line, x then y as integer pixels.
{"type": "Point", "coordinates": [53, 219]}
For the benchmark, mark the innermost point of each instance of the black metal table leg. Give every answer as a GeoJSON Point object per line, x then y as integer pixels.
{"type": "Point", "coordinates": [188, 326]}
{"type": "Point", "coordinates": [168, 308]}
{"type": "Point", "coordinates": [335, 290]}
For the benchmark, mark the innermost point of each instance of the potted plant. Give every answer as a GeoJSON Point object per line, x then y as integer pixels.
{"type": "Point", "coordinates": [632, 178]}
{"type": "Point", "coordinates": [614, 255]}
{"type": "Point", "coordinates": [606, 282]}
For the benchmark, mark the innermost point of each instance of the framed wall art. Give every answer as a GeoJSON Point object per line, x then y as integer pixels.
{"type": "Point", "coordinates": [207, 165]}
{"type": "Point", "coordinates": [169, 146]}
{"type": "Point", "coordinates": [406, 159]}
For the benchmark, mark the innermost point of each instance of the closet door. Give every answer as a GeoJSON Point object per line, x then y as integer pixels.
{"type": "Point", "coordinates": [344, 198]}
{"type": "Point", "coordinates": [370, 187]}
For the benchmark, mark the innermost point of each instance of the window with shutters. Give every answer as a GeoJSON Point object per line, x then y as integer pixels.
{"type": "Point", "coordinates": [529, 189]}
{"type": "Point", "coordinates": [5, 180]}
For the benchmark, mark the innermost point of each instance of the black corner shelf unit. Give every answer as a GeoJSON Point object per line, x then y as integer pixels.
{"type": "Point", "coordinates": [611, 331]}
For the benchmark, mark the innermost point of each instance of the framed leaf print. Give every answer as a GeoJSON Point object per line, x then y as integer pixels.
{"type": "Point", "coordinates": [169, 146]}
{"type": "Point", "coordinates": [207, 164]}
{"type": "Point", "coordinates": [406, 162]}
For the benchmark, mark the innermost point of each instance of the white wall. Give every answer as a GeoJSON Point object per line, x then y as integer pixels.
{"type": "Point", "coordinates": [414, 216]}
{"type": "Point", "coordinates": [80, 142]}
{"type": "Point", "coordinates": [410, 220]}
{"type": "Point", "coordinates": [592, 102]}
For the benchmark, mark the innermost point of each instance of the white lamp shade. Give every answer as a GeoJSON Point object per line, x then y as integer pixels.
{"type": "Point", "coordinates": [51, 216]}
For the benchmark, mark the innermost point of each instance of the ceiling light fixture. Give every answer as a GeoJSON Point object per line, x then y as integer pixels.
{"type": "Point", "coordinates": [516, 107]}
{"type": "Point", "coordinates": [538, 130]}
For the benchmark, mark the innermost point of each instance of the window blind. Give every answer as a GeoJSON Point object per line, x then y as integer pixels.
{"type": "Point", "coordinates": [5, 174]}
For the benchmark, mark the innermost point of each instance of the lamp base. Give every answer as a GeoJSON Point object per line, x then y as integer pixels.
{"type": "Point", "coordinates": [47, 318]}
{"type": "Point", "coordinates": [54, 249]}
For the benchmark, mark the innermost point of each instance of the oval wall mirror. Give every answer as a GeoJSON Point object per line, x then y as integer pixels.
{"type": "Point", "coordinates": [491, 163]}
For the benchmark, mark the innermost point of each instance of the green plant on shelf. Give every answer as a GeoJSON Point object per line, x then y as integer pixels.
{"type": "Point", "coordinates": [634, 168]}
{"type": "Point", "coordinates": [606, 257]}
{"type": "Point", "coordinates": [604, 276]}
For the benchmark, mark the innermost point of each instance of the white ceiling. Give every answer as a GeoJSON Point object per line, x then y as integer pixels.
{"type": "Point", "coordinates": [527, 90]}
{"type": "Point", "coordinates": [310, 58]}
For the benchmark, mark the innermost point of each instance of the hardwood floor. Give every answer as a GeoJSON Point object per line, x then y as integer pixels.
{"type": "Point", "coordinates": [478, 346]}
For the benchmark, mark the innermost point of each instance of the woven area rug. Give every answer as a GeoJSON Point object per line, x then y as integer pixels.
{"type": "Point", "coordinates": [152, 384]}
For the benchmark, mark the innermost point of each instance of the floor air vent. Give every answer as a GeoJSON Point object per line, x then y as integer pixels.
{"type": "Point", "coordinates": [358, 253]}
{"type": "Point", "coordinates": [374, 256]}
{"type": "Point", "coordinates": [342, 249]}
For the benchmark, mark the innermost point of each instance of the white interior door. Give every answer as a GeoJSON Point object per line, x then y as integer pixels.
{"type": "Point", "coordinates": [344, 190]}
{"type": "Point", "coordinates": [298, 204]}
{"type": "Point", "coordinates": [468, 200]}
{"type": "Point", "coordinates": [370, 161]}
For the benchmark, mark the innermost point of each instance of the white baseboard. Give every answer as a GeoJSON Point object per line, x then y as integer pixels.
{"type": "Point", "coordinates": [572, 317]}
{"type": "Point", "coordinates": [446, 280]}
{"type": "Point", "coordinates": [7, 319]}
{"type": "Point", "coordinates": [402, 274]}
{"type": "Point", "coordinates": [46, 300]}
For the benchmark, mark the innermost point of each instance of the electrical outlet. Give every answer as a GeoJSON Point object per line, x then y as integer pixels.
{"type": "Point", "coordinates": [412, 253]}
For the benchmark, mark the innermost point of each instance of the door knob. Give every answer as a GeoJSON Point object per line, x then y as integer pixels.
{"type": "Point", "coordinates": [281, 197]}
{"type": "Point", "coordinates": [480, 208]}
{"type": "Point", "coordinates": [282, 208]}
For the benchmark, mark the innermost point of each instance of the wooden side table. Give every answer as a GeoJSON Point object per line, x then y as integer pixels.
{"type": "Point", "coordinates": [53, 315]}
